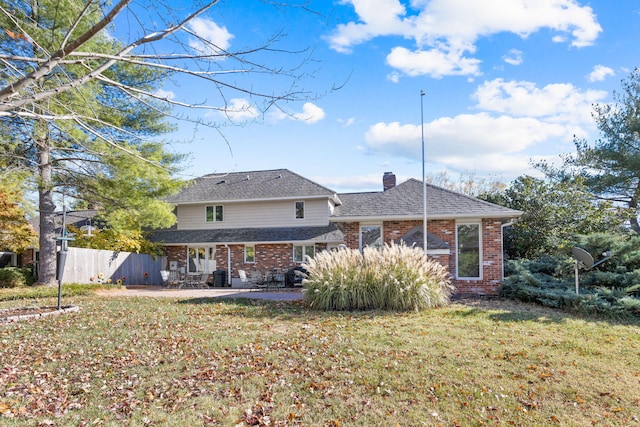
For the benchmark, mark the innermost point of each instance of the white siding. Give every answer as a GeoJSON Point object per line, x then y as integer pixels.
{"type": "Point", "coordinates": [255, 215]}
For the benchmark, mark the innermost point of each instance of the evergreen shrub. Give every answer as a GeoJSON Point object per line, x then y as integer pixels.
{"type": "Point", "coordinates": [612, 292]}
{"type": "Point", "coordinates": [395, 277]}
{"type": "Point", "coordinates": [12, 277]}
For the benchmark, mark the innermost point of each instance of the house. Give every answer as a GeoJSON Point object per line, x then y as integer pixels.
{"type": "Point", "coordinates": [464, 233]}
{"type": "Point", "coordinates": [258, 220]}
{"type": "Point", "coordinates": [272, 219]}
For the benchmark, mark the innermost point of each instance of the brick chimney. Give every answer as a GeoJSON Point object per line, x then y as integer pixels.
{"type": "Point", "coordinates": [388, 181]}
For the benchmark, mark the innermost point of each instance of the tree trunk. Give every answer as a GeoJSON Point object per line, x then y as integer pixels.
{"type": "Point", "coordinates": [47, 262]}
{"type": "Point", "coordinates": [633, 204]}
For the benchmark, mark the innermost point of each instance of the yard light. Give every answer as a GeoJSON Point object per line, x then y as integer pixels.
{"type": "Point", "coordinates": [62, 254]}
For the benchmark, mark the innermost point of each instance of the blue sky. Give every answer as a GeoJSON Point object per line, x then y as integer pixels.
{"type": "Point", "coordinates": [505, 81]}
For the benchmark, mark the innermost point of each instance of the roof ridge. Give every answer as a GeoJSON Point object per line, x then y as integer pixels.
{"type": "Point", "coordinates": [457, 193]}
{"type": "Point", "coordinates": [224, 174]}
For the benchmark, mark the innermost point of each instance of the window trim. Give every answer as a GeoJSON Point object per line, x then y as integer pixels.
{"type": "Point", "coordinates": [304, 252]}
{"type": "Point", "coordinates": [480, 250]}
{"type": "Point", "coordinates": [246, 261]}
{"type": "Point", "coordinates": [208, 259]}
{"type": "Point", "coordinates": [295, 210]}
{"type": "Point", "coordinates": [214, 211]}
{"type": "Point", "coordinates": [370, 225]}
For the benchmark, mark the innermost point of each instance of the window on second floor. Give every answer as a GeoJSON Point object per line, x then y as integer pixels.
{"type": "Point", "coordinates": [215, 213]}
{"type": "Point", "coordinates": [299, 210]}
{"type": "Point", "coordinates": [301, 252]}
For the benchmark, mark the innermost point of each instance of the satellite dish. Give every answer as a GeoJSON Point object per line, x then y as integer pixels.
{"type": "Point", "coordinates": [582, 257]}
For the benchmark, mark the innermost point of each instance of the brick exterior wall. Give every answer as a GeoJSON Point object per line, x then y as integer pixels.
{"type": "Point", "coordinates": [27, 258]}
{"type": "Point", "coordinates": [267, 257]}
{"type": "Point", "coordinates": [280, 256]}
{"type": "Point", "coordinates": [351, 231]}
{"type": "Point", "coordinates": [446, 231]}
{"type": "Point", "coordinates": [177, 253]}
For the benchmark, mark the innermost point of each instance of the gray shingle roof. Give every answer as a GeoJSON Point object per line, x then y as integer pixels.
{"type": "Point", "coordinates": [405, 200]}
{"type": "Point", "coordinates": [256, 185]}
{"type": "Point", "coordinates": [329, 234]}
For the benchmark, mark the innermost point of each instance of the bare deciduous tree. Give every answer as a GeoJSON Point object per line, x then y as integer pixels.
{"type": "Point", "coordinates": [76, 93]}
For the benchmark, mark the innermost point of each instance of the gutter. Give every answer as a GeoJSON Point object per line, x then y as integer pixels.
{"type": "Point", "coordinates": [479, 215]}
{"type": "Point", "coordinates": [228, 263]}
{"type": "Point", "coordinates": [252, 200]}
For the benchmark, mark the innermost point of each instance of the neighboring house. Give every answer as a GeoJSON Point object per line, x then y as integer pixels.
{"type": "Point", "coordinates": [272, 219]}
{"type": "Point", "coordinates": [83, 219]}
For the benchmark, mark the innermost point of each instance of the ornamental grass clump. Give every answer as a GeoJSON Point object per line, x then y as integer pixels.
{"type": "Point", "coordinates": [395, 277]}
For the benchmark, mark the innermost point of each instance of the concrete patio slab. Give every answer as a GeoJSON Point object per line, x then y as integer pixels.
{"type": "Point", "coordinates": [149, 291]}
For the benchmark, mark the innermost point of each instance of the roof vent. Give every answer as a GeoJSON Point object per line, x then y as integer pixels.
{"type": "Point", "coordinates": [247, 177]}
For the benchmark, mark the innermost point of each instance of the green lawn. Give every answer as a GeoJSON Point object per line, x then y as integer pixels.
{"type": "Point", "coordinates": [144, 361]}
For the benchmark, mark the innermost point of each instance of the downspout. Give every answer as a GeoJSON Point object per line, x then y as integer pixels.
{"type": "Point", "coordinates": [228, 264]}
{"type": "Point", "coordinates": [507, 224]}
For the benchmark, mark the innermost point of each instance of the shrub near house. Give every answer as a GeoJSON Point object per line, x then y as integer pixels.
{"type": "Point", "coordinates": [395, 277]}
{"type": "Point", "coordinates": [13, 277]}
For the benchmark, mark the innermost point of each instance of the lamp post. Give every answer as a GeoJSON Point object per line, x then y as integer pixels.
{"type": "Point", "coordinates": [62, 254]}
{"type": "Point", "coordinates": [424, 179]}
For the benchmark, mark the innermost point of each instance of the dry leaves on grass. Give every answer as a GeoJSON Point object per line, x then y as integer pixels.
{"type": "Point", "coordinates": [257, 364]}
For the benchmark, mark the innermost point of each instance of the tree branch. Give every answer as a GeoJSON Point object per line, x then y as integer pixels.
{"type": "Point", "coordinates": [12, 90]}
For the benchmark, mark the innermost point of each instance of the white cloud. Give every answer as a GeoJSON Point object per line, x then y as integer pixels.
{"type": "Point", "coordinates": [352, 183]}
{"type": "Point", "coordinates": [515, 116]}
{"type": "Point", "coordinates": [310, 114]}
{"type": "Point", "coordinates": [167, 94]}
{"type": "Point", "coordinates": [347, 122]}
{"type": "Point", "coordinates": [471, 134]}
{"type": "Point", "coordinates": [239, 109]}
{"type": "Point", "coordinates": [212, 38]}
{"type": "Point", "coordinates": [513, 57]}
{"type": "Point", "coordinates": [445, 31]}
{"type": "Point", "coordinates": [434, 63]}
{"type": "Point", "coordinates": [394, 77]}
{"type": "Point", "coordinates": [559, 103]}
{"type": "Point", "coordinates": [481, 142]}
{"type": "Point", "coordinates": [379, 18]}
{"type": "Point", "coordinates": [600, 72]}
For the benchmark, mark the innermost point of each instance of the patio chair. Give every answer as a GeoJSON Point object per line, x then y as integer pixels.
{"type": "Point", "coordinates": [195, 281]}
{"type": "Point", "coordinates": [174, 279]}
{"type": "Point", "coordinates": [254, 281]}
{"type": "Point", "coordinates": [203, 282]}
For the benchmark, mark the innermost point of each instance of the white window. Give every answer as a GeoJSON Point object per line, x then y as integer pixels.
{"type": "Point", "coordinates": [300, 253]}
{"type": "Point", "coordinates": [469, 253]}
{"type": "Point", "coordinates": [249, 254]}
{"type": "Point", "coordinates": [370, 236]}
{"type": "Point", "coordinates": [215, 213]}
{"type": "Point", "coordinates": [201, 260]}
{"type": "Point", "coordinates": [299, 210]}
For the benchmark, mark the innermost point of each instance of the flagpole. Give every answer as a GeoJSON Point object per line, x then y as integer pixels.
{"type": "Point", "coordinates": [424, 178]}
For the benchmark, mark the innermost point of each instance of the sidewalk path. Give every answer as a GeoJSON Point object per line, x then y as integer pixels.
{"type": "Point", "coordinates": [153, 291]}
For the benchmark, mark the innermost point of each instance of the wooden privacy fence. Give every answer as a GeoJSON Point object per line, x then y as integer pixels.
{"type": "Point", "coordinates": [83, 265]}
